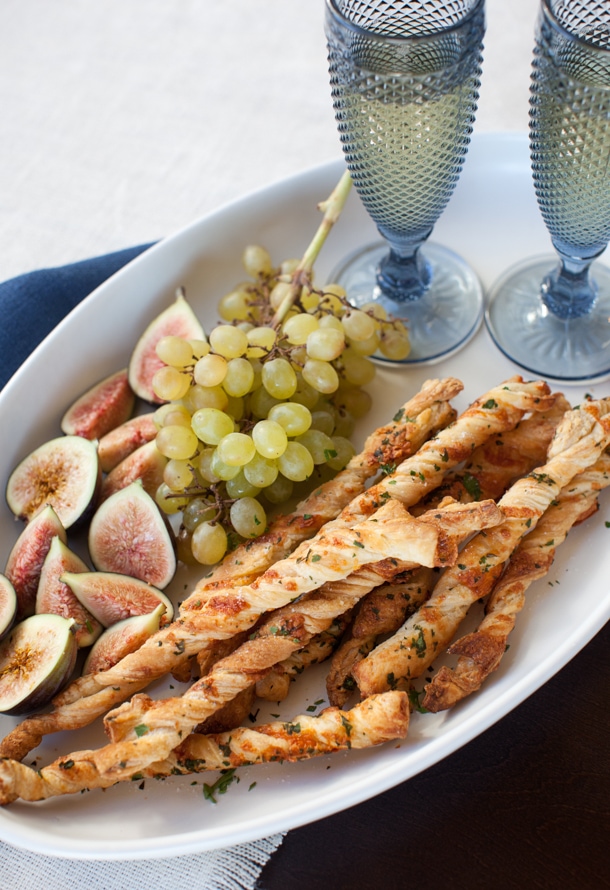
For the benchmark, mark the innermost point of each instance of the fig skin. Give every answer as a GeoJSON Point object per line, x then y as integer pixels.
{"type": "Point", "coordinates": [129, 535]}
{"type": "Point", "coordinates": [64, 473]}
{"type": "Point", "coordinates": [8, 606]}
{"type": "Point", "coordinates": [122, 639]}
{"type": "Point", "coordinates": [112, 597]}
{"type": "Point", "coordinates": [178, 320]}
{"type": "Point", "coordinates": [122, 441]}
{"type": "Point", "coordinates": [146, 463]}
{"type": "Point", "coordinates": [102, 408]}
{"type": "Point", "coordinates": [36, 659]}
{"type": "Point", "coordinates": [25, 560]}
{"type": "Point", "coordinates": [54, 597]}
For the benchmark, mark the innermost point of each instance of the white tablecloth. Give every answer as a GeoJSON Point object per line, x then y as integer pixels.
{"type": "Point", "coordinates": [122, 121]}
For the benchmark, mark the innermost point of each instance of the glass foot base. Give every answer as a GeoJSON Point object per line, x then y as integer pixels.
{"type": "Point", "coordinates": [442, 321]}
{"type": "Point", "coordinates": [573, 350]}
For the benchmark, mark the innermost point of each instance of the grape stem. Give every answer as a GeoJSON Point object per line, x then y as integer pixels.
{"type": "Point", "coordinates": [301, 276]}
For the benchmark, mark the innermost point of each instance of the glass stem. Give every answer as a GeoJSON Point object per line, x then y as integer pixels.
{"type": "Point", "coordinates": [569, 291]}
{"type": "Point", "coordinates": [403, 274]}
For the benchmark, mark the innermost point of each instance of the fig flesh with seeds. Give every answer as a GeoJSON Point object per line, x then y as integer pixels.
{"type": "Point", "coordinates": [25, 560]}
{"type": "Point", "coordinates": [8, 606]}
{"type": "Point", "coordinates": [111, 597]}
{"type": "Point", "coordinates": [122, 441]}
{"type": "Point", "coordinates": [122, 639]}
{"type": "Point", "coordinates": [146, 463]}
{"type": "Point", "coordinates": [63, 473]}
{"type": "Point", "coordinates": [54, 597]}
{"type": "Point", "coordinates": [102, 408]}
{"type": "Point", "coordinates": [36, 659]}
{"type": "Point", "coordinates": [129, 535]}
{"type": "Point", "coordinates": [177, 320]}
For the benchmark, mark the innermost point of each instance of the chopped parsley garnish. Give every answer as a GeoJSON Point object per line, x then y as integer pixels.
{"type": "Point", "coordinates": [220, 785]}
{"type": "Point", "coordinates": [141, 729]}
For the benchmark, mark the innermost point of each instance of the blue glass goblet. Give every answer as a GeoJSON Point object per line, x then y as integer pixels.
{"type": "Point", "coordinates": [405, 76]}
{"type": "Point", "coordinates": [554, 319]}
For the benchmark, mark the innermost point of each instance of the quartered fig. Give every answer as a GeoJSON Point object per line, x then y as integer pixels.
{"type": "Point", "coordinates": [129, 535]}
{"type": "Point", "coordinates": [121, 639]}
{"type": "Point", "coordinates": [36, 659]}
{"type": "Point", "coordinates": [54, 597]}
{"type": "Point", "coordinates": [63, 473]}
{"type": "Point", "coordinates": [28, 554]}
{"type": "Point", "coordinates": [8, 606]}
{"type": "Point", "coordinates": [146, 464]}
{"type": "Point", "coordinates": [111, 597]}
{"type": "Point", "coordinates": [102, 408]}
{"type": "Point", "coordinates": [122, 441]}
{"type": "Point", "coordinates": [178, 320]}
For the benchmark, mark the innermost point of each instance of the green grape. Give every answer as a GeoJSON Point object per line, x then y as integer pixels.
{"type": "Point", "coordinates": [278, 294]}
{"type": "Point", "coordinates": [298, 328]}
{"type": "Point", "coordinates": [211, 425]}
{"type": "Point", "coordinates": [319, 445]}
{"type": "Point", "coordinates": [321, 375]}
{"type": "Point", "coordinates": [358, 369]}
{"type": "Point", "coordinates": [204, 465]}
{"type": "Point", "coordinates": [325, 344]}
{"type": "Point", "coordinates": [344, 423]}
{"type": "Point", "coordinates": [304, 394]}
{"type": "Point", "coordinates": [323, 421]}
{"type": "Point", "coordinates": [174, 351]}
{"type": "Point", "coordinates": [221, 469]}
{"type": "Point", "coordinates": [279, 378]}
{"type": "Point", "coordinates": [296, 463]}
{"type": "Point", "coordinates": [287, 267]}
{"type": "Point", "coordinates": [235, 407]}
{"type": "Point", "coordinates": [261, 471]}
{"type": "Point", "coordinates": [198, 510]}
{"type": "Point", "coordinates": [358, 325]}
{"type": "Point", "coordinates": [279, 491]}
{"type": "Point", "coordinates": [256, 261]}
{"type": "Point", "coordinates": [248, 517]}
{"type": "Point", "coordinates": [261, 341]}
{"type": "Point", "coordinates": [394, 344]}
{"type": "Point", "coordinates": [236, 449]}
{"type": "Point", "coordinates": [235, 306]}
{"type": "Point", "coordinates": [239, 377]}
{"type": "Point", "coordinates": [177, 442]}
{"type": "Point", "coordinates": [376, 309]}
{"type": "Point", "coordinates": [331, 321]}
{"type": "Point", "coordinates": [269, 438]}
{"type": "Point", "coordinates": [310, 300]}
{"type": "Point", "coordinates": [167, 500]}
{"type": "Point", "coordinates": [178, 474]}
{"type": "Point", "coordinates": [199, 348]}
{"type": "Point", "coordinates": [172, 414]}
{"type": "Point", "coordinates": [206, 397]}
{"type": "Point", "coordinates": [169, 383]}
{"type": "Point", "coordinates": [261, 403]}
{"type": "Point", "coordinates": [209, 543]}
{"type": "Point", "coordinates": [365, 347]}
{"type": "Point", "coordinates": [210, 370]}
{"type": "Point", "coordinates": [295, 418]}
{"type": "Point", "coordinates": [356, 402]}
{"type": "Point", "coordinates": [228, 341]}
{"type": "Point", "coordinates": [345, 451]}
{"type": "Point", "coordinates": [239, 487]}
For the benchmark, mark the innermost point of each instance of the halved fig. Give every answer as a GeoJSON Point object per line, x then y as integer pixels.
{"type": "Point", "coordinates": [129, 535]}
{"type": "Point", "coordinates": [64, 473]}
{"type": "Point", "coordinates": [25, 560]}
{"type": "Point", "coordinates": [111, 597]}
{"type": "Point", "coordinates": [122, 441]}
{"type": "Point", "coordinates": [8, 606]}
{"type": "Point", "coordinates": [178, 320]}
{"type": "Point", "coordinates": [102, 408]}
{"type": "Point", "coordinates": [146, 464]}
{"type": "Point", "coordinates": [36, 659]}
{"type": "Point", "coordinates": [121, 639]}
{"type": "Point", "coordinates": [54, 597]}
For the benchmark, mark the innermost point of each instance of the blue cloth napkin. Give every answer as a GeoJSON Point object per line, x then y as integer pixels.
{"type": "Point", "coordinates": [32, 305]}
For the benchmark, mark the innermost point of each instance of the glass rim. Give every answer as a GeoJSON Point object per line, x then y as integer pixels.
{"type": "Point", "coordinates": [332, 7]}
{"type": "Point", "coordinates": [551, 15]}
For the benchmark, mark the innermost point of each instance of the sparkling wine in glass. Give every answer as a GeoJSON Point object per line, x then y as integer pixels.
{"type": "Point", "coordinates": [553, 317]}
{"type": "Point", "coordinates": [405, 76]}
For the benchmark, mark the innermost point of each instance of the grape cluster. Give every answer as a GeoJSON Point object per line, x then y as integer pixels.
{"type": "Point", "coordinates": [268, 402]}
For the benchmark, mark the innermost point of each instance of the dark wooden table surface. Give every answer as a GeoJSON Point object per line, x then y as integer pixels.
{"type": "Point", "coordinates": [526, 804]}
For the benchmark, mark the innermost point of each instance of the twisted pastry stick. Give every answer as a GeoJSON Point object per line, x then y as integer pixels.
{"type": "Point", "coordinates": [93, 695]}
{"type": "Point", "coordinates": [379, 719]}
{"type": "Point", "coordinates": [481, 652]}
{"type": "Point", "coordinates": [580, 439]}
